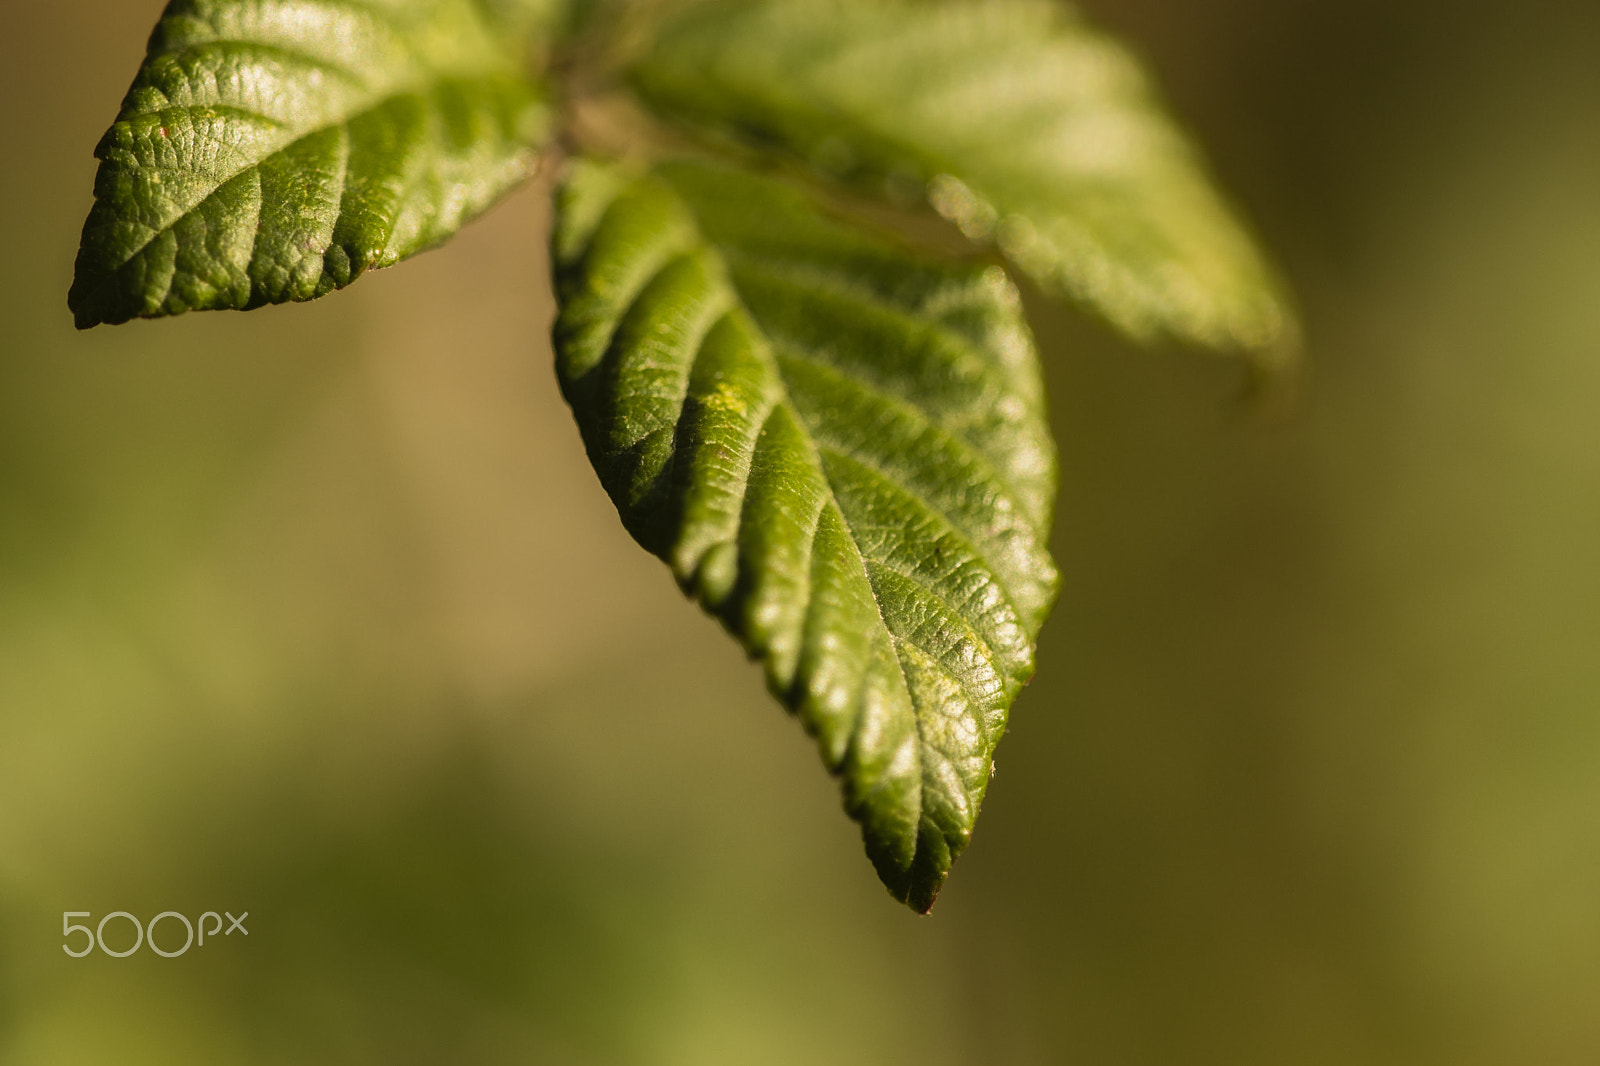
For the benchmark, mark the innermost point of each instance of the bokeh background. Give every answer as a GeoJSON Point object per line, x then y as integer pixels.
{"type": "Point", "coordinates": [319, 613]}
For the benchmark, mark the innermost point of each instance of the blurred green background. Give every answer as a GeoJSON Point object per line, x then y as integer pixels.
{"type": "Point", "coordinates": [319, 613]}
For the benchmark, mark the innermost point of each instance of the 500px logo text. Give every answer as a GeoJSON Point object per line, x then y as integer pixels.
{"type": "Point", "coordinates": [144, 934]}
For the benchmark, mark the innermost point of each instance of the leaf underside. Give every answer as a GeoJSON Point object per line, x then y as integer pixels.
{"type": "Point", "coordinates": [1013, 120]}
{"type": "Point", "coordinates": [275, 150]}
{"type": "Point", "coordinates": [841, 452]}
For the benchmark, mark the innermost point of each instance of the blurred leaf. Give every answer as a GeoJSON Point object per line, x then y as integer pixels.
{"type": "Point", "coordinates": [1013, 120]}
{"type": "Point", "coordinates": [271, 151]}
{"type": "Point", "coordinates": [842, 453]}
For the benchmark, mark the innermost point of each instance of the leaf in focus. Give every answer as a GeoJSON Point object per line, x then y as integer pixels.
{"type": "Point", "coordinates": [841, 451]}
{"type": "Point", "coordinates": [275, 150]}
{"type": "Point", "coordinates": [1013, 120]}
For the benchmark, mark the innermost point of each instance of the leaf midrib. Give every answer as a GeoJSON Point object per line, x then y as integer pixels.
{"type": "Point", "coordinates": [815, 447]}
{"type": "Point", "coordinates": [924, 745]}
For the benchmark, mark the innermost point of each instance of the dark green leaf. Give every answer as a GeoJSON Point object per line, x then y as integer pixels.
{"type": "Point", "coordinates": [841, 452]}
{"type": "Point", "coordinates": [1012, 119]}
{"type": "Point", "coordinates": [274, 150]}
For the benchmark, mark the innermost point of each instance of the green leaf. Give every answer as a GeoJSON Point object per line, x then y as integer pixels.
{"type": "Point", "coordinates": [275, 150]}
{"type": "Point", "coordinates": [841, 452]}
{"type": "Point", "coordinates": [1012, 119]}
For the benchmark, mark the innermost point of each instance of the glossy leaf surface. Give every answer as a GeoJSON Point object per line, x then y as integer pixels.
{"type": "Point", "coordinates": [841, 452]}
{"type": "Point", "coordinates": [1012, 119]}
{"type": "Point", "coordinates": [274, 150]}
